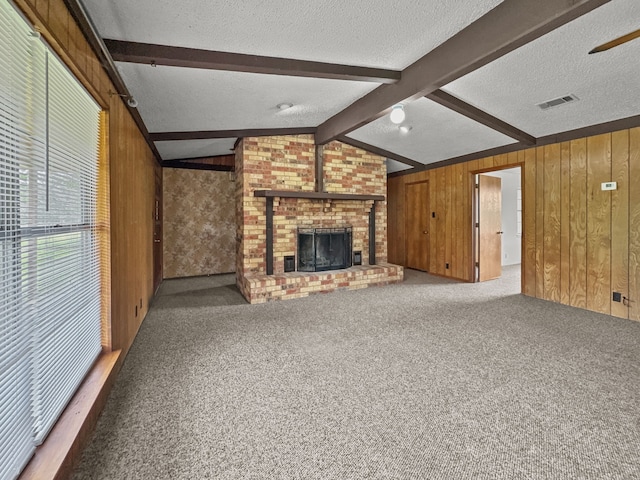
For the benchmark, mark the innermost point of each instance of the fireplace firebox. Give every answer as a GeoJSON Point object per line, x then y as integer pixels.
{"type": "Point", "coordinates": [321, 249]}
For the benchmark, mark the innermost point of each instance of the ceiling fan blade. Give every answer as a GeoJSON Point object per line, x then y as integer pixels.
{"type": "Point", "coordinates": [618, 41]}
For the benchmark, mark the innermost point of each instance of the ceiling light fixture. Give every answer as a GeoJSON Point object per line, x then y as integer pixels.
{"type": "Point", "coordinates": [397, 114]}
{"type": "Point", "coordinates": [284, 106]}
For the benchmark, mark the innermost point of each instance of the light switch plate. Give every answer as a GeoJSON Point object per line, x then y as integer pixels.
{"type": "Point", "coordinates": [609, 185]}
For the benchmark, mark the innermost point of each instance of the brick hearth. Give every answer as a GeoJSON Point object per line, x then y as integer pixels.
{"type": "Point", "coordinates": [288, 163]}
{"type": "Point", "coordinates": [265, 288]}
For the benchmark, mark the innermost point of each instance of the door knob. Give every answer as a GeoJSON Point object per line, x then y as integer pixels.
{"type": "Point", "coordinates": [426, 232]}
{"type": "Point", "coordinates": [500, 232]}
{"type": "Point", "coordinates": [157, 241]}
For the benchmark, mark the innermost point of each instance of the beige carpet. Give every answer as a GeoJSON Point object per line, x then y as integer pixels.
{"type": "Point", "coordinates": [427, 379]}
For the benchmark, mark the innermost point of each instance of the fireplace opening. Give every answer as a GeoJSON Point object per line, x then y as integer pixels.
{"type": "Point", "coordinates": [321, 249]}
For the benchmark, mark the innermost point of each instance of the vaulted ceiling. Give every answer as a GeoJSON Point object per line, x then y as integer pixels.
{"type": "Point", "coordinates": [469, 74]}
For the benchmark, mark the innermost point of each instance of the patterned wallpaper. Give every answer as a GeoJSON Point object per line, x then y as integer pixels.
{"type": "Point", "coordinates": [199, 222]}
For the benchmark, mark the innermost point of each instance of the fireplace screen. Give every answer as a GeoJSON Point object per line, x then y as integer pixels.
{"type": "Point", "coordinates": [322, 249]}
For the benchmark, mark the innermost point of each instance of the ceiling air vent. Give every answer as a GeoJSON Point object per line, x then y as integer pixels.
{"type": "Point", "coordinates": [557, 101]}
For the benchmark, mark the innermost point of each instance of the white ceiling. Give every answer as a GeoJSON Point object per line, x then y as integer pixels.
{"type": "Point", "coordinates": [177, 99]}
{"type": "Point", "coordinates": [373, 33]}
{"type": "Point", "coordinates": [437, 133]}
{"type": "Point", "coordinates": [505, 173]}
{"type": "Point", "coordinates": [184, 149]}
{"type": "Point", "coordinates": [556, 65]}
{"type": "Point", "coordinates": [393, 166]}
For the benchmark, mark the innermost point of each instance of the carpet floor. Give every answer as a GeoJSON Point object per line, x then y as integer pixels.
{"type": "Point", "coordinates": [428, 379]}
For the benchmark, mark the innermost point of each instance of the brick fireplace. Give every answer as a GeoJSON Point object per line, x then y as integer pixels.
{"type": "Point", "coordinates": [278, 195]}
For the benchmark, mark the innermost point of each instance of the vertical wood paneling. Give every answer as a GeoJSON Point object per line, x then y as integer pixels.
{"type": "Point", "coordinates": [577, 245]}
{"type": "Point", "coordinates": [551, 223]}
{"type": "Point", "coordinates": [75, 44]}
{"type": "Point", "coordinates": [634, 223]}
{"type": "Point", "coordinates": [529, 222]}
{"type": "Point", "coordinates": [565, 232]}
{"type": "Point", "coordinates": [540, 206]}
{"type": "Point", "coordinates": [449, 203]}
{"type": "Point", "coordinates": [500, 160]}
{"type": "Point", "coordinates": [42, 7]}
{"type": "Point", "coordinates": [441, 220]}
{"type": "Point", "coordinates": [395, 220]}
{"type": "Point", "coordinates": [434, 230]}
{"type": "Point", "coordinates": [578, 224]}
{"type": "Point", "coordinates": [59, 18]}
{"type": "Point", "coordinates": [620, 221]}
{"type": "Point", "coordinates": [474, 165]}
{"type": "Point", "coordinates": [457, 251]}
{"type": "Point", "coordinates": [598, 224]}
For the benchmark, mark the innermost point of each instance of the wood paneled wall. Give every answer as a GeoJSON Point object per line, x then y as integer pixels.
{"type": "Point", "coordinates": [132, 211]}
{"type": "Point", "coordinates": [580, 244]}
{"type": "Point", "coordinates": [131, 170]}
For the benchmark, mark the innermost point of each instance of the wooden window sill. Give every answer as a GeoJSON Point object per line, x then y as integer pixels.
{"type": "Point", "coordinates": [55, 458]}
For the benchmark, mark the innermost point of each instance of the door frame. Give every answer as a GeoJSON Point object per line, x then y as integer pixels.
{"type": "Point", "coordinates": [474, 218]}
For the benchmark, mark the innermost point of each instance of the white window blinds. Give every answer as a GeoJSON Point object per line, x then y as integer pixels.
{"type": "Point", "coordinates": [16, 424]}
{"type": "Point", "coordinates": [49, 257]}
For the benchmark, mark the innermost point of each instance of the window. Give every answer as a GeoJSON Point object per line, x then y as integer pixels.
{"type": "Point", "coordinates": [49, 255]}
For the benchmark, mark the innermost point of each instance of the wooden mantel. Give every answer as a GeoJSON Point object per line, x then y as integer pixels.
{"type": "Point", "coordinates": [315, 195]}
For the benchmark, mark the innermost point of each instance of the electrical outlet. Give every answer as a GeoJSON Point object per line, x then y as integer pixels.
{"type": "Point", "coordinates": [617, 297]}
{"type": "Point", "coordinates": [609, 185]}
{"type": "Point", "coordinates": [446, 265]}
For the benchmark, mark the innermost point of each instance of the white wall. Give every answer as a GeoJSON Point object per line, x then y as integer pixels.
{"type": "Point", "coordinates": [511, 241]}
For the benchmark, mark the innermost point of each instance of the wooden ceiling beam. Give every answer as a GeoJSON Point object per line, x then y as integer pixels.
{"type": "Point", "coordinates": [463, 108]}
{"type": "Point", "coordinates": [379, 151]}
{"type": "Point", "coordinates": [195, 166]}
{"type": "Point", "coordinates": [225, 163]}
{"type": "Point", "coordinates": [510, 25]}
{"type": "Point", "coordinates": [512, 147]}
{"type": "Point", "coordinates": [227, 159]}
{"type": "Point", "coordinates": [583, 132]}
{"type": "Point", "coordinates": [239, 133]}
{"type": "Point", "coordinates": [153, 54]}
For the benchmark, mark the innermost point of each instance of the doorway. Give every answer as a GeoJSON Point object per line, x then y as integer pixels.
{"type": "Point", "coordinates": [497, 235]}
{"type": "Point", "coordinates": [417, 225]}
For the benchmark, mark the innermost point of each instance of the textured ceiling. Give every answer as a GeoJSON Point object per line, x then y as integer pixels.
{"type": "Point", "coordinates": [183, 149]}
{"type": "Point", "coordinates": [437, 133]}
{"type": "Point", "coordinates": [372, 33]}
{"type": "Point", "coordinates": [393, 166]}
{"type": "Point", "coordinates": [558, 64]}
{"type": "Point", "coordinates": [184, 99]}
{"type": "Point", "coordinates": [375, 33]}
